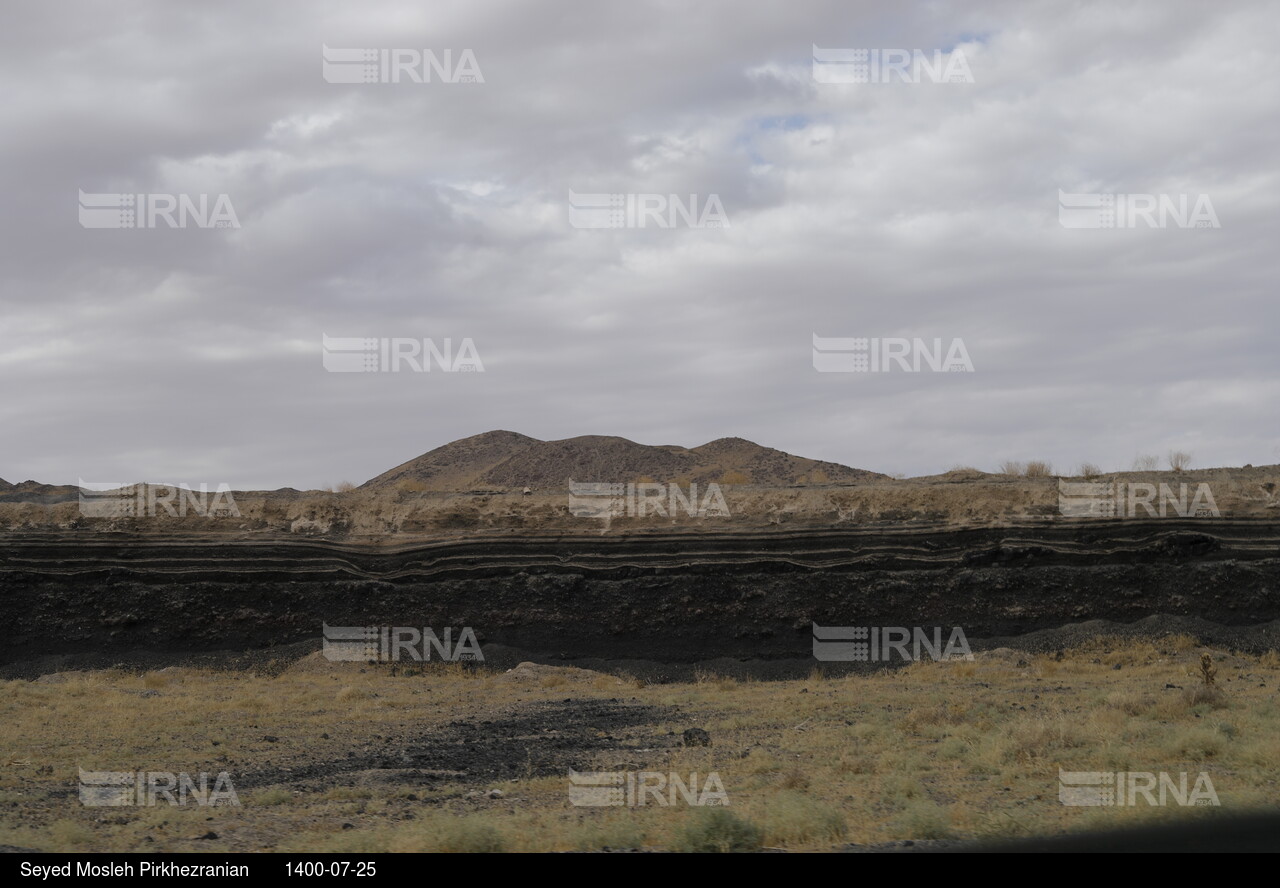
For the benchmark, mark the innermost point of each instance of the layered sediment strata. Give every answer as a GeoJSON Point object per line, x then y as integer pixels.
{"type": "Point", "coordinates": [658, 596]}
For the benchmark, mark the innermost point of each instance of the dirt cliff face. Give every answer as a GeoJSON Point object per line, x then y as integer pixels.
{"type": "Point", "coordinates": [676, 567]}
{"type": "Point", "coordinates": [671, 597]}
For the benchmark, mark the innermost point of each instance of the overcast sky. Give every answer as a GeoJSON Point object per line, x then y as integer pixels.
{"type": "Point", "coordinates": [441, 210]}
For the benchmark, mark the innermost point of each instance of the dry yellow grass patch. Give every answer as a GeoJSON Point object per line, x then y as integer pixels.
{"type": "Point", "coordinates": [935, 750]}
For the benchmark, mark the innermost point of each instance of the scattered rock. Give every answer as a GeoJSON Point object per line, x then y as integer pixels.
{"type": "Point", "coordinates": [696, 737]}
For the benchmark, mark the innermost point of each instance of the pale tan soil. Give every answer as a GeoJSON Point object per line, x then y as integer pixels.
{"type": "Point", "coordinates": [957, 498]}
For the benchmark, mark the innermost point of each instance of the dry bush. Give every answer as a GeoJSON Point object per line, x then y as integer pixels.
{"type": "Point", "coordinates": [1038, 468]}
{"type": "Point", "coordinates": [345, 487]}
{"type": "Point", "coordinates": [1179, 460]}
{"type": "Point", "coordinates": [1210, 695]}
{"type": "Point", "coordinates": [1012, 467]}
{"type": "Point", "coordinates": [1145, 462]}
{"type": "Point", "coordinates": [794, 779]}
{"type": "Point", "coordinates": [792, 818]}
{"type": "Point", "coordinates": [1088, 471]}
{"type": "Point", "coordinates": [734, 478]}
{"type": "Point", "coordinates": [712, 830]}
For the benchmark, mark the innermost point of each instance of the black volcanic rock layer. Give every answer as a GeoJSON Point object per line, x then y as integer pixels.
{"type": "Point", "coordinates": [667, 597]}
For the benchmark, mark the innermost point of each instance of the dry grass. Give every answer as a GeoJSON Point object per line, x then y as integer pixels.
{"type": "Point", "coordinates": [1146, 462]}
{"type": "Point", "coordinates": [1035, 468]}
{"type": "Point", "coordinates": [959, 749]}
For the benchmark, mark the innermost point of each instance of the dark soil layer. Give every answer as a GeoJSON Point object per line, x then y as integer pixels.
{"type": "Point", "coordinates": [675, 599]}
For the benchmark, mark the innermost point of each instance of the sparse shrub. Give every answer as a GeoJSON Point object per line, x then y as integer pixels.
{"type": "Point", "coordinates": [470, 835]}
{"type": "Point", "coordinates": [69, 834]}
{"type": "Point", "coordinates": [1035, 739]}
{"type": "Point", "coordinates": [631, 680]}
{"type": "Point", "coordinates": [345, 487]}
{"type": "Point", "coordinates": [923, 820]}
{"type": "Point", "coordinates": [1195, 744]}
{"type": "Point", "coordinates": [443, 833]}
{"type": "Point", "coordinates": [1179, 460]}
{"type": "Point", "coordinates": [734, 478]}
{"type": "Point", "coordinates": [794, 818]}
{"type": "Point", "coordinates": [1012, 467]}
{"type": "Point", "coordinates": [1205, 695]}
{"type": "Point", "coordinates": [717, 830]}
{"type": "Point", "coordinates": [759, 761]}
{"type": "Point", "coordinates": [1129, 702]}
{"type": "Point", "coordinates": [1145, 462]}
{"type": "Point", "coordinates": [854, 763]}
{"type": "Point", "coordinates": [1088, 471]}
{"type": "Point", "coordinates": [1037, 468]}
{"type": "Point", "coordinates": [795, 779]}
{"type": "Point", "coordinates": [273, 796]}
{"type": "Point", "coordinates": [1208, 672]}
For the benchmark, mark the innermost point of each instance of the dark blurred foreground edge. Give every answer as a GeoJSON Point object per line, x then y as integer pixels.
{"type": "Point", "coordinates": [1252, 833]}
{"type": "Point", "coordinates": [1259, 833]}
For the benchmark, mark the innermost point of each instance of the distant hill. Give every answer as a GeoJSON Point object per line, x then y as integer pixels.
{"type": "Point", "coordinates": [500, 459]}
